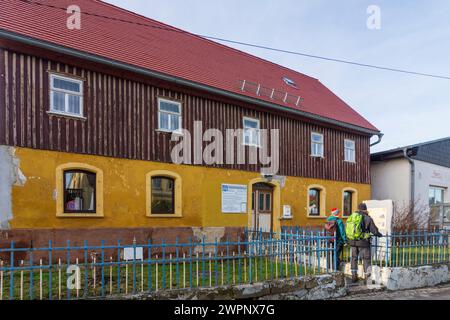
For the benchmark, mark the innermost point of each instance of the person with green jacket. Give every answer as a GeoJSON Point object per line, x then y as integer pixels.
{"type": "Point", "coordinates": [335, 223]}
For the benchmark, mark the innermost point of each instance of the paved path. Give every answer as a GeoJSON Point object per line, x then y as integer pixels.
{"type": "Point", "coordinates": [435, 293]}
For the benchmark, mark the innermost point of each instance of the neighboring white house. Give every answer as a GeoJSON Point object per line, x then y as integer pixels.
{"type": "Point", "coordinates": [417, 174]}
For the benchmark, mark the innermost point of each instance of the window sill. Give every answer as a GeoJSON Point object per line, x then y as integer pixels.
{"type": "Point", "coordinates": [317, 157]}
{"type": "Point", "coordinates": [251, 145]}
{"type": "Point", "coordinates": [80, 215]}
{"type": "Point", "coordinates": [178, 133]}
{"type": "Point", "coordinates": [66, 115]}
{"type": "Point", "coordinates": [350, 162]}
{"type": "Point", "coordinates": [287, 218]}
{"type": "Point", "coordinates": [316, 217]}
{"type": "Point", "coordinates": [164, 215]}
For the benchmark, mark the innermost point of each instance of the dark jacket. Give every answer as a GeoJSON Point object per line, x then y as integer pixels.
{"type": "Point", "coordinates": [368, 226]}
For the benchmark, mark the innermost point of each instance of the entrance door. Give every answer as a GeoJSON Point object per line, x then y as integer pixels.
{"type": "Point", "coordinates": [262, 207]}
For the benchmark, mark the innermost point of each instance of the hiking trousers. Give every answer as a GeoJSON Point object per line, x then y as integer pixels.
{"type": "Point", "coordinates": [364, 254]}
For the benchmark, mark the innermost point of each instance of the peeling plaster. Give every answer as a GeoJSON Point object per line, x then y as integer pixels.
{"type": "Point", "coordinates": [210, 235]}
{"type": "Point", "coordinates": [10, 175]}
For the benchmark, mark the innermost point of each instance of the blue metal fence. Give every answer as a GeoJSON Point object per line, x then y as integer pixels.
{"type": "Point", "coordinates": [408, 249]}
{"type": "Point", "coordinates": [82, 271]}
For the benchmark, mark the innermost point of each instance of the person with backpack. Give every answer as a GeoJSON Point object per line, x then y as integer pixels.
{"type": "Point", "coordinates": [359, 229]}
{"type": "Point", "coordinates": [333, 225]}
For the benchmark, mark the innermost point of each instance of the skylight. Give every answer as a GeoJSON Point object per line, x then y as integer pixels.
{"type": "Point", "coordinates": [289, 82]}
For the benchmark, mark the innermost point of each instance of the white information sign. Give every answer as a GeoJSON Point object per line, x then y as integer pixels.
{"type": "Point", "coordinates": [128, 253]}
{"type": "Point", "coordinates": [381, 213]}
{"type": "Point", "coordinates": [234, 198]}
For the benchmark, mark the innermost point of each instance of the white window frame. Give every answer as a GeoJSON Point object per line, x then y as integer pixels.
{"type": "Point", "coordinates": [66, 95]}
{"type": "Point", "coordinates": [179, 114]}
{"type": "Point", "coordinates": [436, 188]}
{"type": "Point", "coordinates": [322, 144]}
{"type": "Point", "coordinates": [351, 149]}
{"type": "Point", "coordinates": [257, 129]}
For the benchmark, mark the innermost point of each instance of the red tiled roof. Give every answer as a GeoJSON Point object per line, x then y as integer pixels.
{"type": "Point", "coordinates": [168, 50]}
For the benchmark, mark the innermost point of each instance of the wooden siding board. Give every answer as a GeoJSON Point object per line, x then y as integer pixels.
{"type": "Point", "coordinates": [3, 125]}
{"type": "Point", "coordinates": [121, 121]}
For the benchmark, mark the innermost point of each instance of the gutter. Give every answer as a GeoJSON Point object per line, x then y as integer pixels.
{"type": "Point", "coordinates": [413, 176]}
{"type": "Point", "coordinates": [161, 76]}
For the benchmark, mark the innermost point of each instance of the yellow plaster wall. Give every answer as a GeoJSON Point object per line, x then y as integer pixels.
{"type": "Point", "coordinates": [34, 205]}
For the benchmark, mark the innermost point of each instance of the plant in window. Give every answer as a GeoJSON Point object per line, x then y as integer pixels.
{"type": "Point", "coordinates": [314, 202]}
{"type": "Point", "coordinates": [79, 191]}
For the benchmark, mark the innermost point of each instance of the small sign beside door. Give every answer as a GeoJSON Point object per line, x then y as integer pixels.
{"type": "Point", "coordinates": [287, 211]}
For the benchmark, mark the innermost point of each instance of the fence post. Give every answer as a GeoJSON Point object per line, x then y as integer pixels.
{"type": "Point", "coordinates": [190, 262]}
{"type": "Point", "coordinates": [203, 261]}
{"type": "Point", "coordinates": [228, 260]}
{"type": "Point", "coordinates": [216, 271]}
{"type": "Point", "coordinates": [86, 268]}
{"type": "Point", "coordinates": [103, 267]}
{"type": "Point", "coordinates": [149, 265]}
{"type": "Point", "coordinates": [11, 279]}
{"type": "Point", "coordinates": [68, 263]}
{"type": "Point", "coordinates": [31, 273]}
{"type": "Point", "coordinates": [118, 267]}
{"type": "Point", "coordinates": [177, 268]}
{"type": "Point", "coordinates": [134, 265]}
{"type": "Point", "coordinates": [239, 261]}
{"type": "Point", "coordinates": [335, 252]}
{"type": "Point", "coordinates": [50, 278]}
{"type": "Point", "coordinates": [163, 282]}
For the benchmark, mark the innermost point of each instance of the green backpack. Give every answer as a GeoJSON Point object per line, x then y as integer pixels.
{"type": "Point", "coordinates": [353, 228]}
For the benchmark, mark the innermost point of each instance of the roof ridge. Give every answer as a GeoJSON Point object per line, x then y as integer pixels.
{"type": "Point", "coordinates": [201, 38]}
{"type": "Point", "coordinates": [420, 144]}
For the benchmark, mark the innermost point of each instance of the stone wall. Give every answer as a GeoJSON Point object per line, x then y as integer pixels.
{"type": "Point", "coordinates": [303, 288]}
{"type": "Point", "coordinates": [401, 278]}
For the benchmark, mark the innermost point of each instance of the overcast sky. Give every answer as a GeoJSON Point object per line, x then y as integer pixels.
{"type": "Point", "coordinates": [413, 35]}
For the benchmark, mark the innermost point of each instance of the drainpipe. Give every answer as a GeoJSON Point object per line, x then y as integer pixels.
{"type": "Point", "coordinates": [413, 175]}
{"type": "Point", "coordinates": [380, 137]}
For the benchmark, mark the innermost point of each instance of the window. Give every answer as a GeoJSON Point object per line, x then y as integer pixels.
{"type": "Point", "coordinates": [316, 144]}
{"type": "Point", "coordinates": [436, 195]}
{"type": "Point", "coordinates": [169, 115]}
{"type": "Point", "coordinates": [163, 195]}
{"type": "Point", "coordinates": [66, 95]}
{"type": "Point", "coordinates": [314, 202]}
{"type": "Point", "coordinates": [348, 203]}
{"type": "Point", "coordinates": [251, 132]}
{"type": "Point", "coordinates": [265, 201]}
{"type": "Point", "coordinates": [79, 191]}
{"type": "Point", "coordinates": [289, 82]}
{"type": "Point", "coordinates": [349, 150]}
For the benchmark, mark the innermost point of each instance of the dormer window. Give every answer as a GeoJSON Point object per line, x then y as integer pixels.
{"type": "Point", "coordinates": [290, 82]}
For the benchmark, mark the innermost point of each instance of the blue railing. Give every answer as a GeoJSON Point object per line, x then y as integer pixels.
{"type": "Point", "coordinates": [408, 249]}
{"type": "Point", "coordinates": [83, 271]}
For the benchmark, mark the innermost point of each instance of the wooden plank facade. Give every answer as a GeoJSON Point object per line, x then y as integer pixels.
{"type": "Point", "coordinates": [121, 121]}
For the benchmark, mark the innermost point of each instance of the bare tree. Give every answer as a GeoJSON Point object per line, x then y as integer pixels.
{"type": "Point", "coordinates": [412, 216]}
